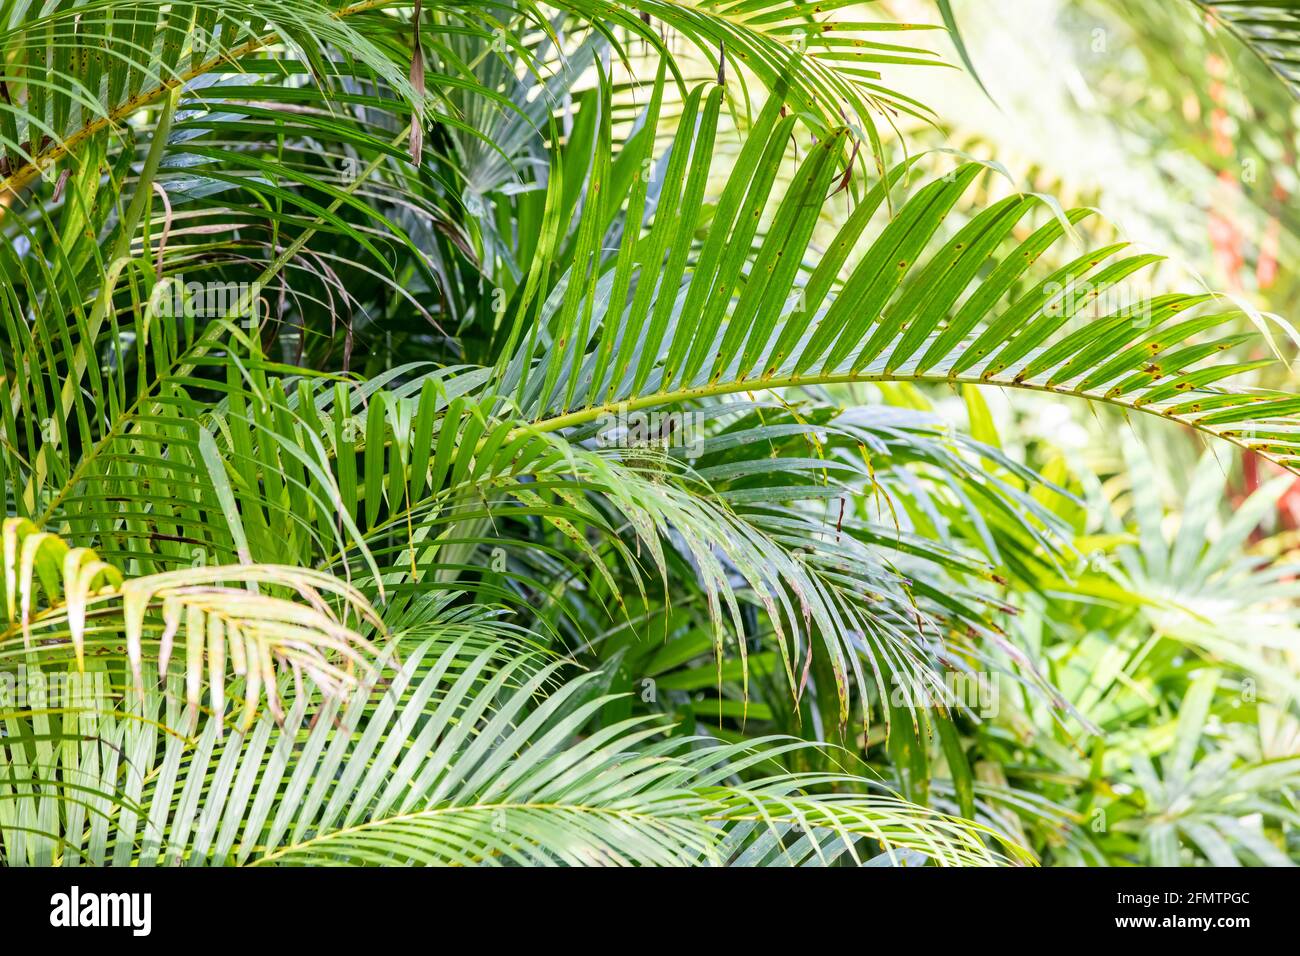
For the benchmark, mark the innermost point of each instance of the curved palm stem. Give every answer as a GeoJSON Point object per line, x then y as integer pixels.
{"type": "Point", "coordinates": [594, 413]}
{"type": "Point", "coordinates": [23, 175]}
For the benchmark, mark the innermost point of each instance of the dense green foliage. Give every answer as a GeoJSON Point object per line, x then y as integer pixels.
{"type": "Point", "coordinates": [496, 433]}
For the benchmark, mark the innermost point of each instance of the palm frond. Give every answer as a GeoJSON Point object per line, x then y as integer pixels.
{"type": "Point", "coordinates": [63, 601]}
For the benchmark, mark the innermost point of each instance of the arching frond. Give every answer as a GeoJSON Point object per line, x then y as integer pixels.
{"type": "Point", "coordinates": [459, 757]}
{"type": "Point", "coordinates": [64, 602]}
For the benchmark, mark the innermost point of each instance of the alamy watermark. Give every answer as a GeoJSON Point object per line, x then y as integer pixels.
{"type": "Point", "coordinates": [664, 430]}
{"type": "Point", "coordinates": [176, 298]}
{"type": "Point", "coordinates": [1079, 298]}
{"type": "Point", "coordinates": [32, 688]}
{"type": "Point", "coordinates": [974, 691]}
{"type": "Point", "coordinates": [77, 908]}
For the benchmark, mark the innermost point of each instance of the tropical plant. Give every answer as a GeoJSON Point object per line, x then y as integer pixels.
{"type": "Point", "coordinates": [420, 446]}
